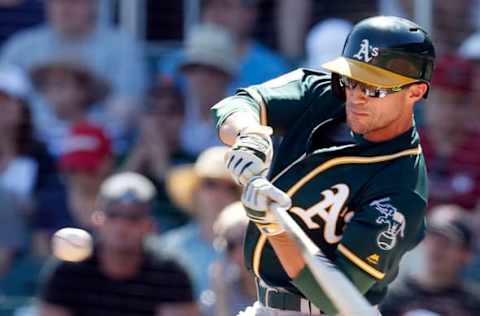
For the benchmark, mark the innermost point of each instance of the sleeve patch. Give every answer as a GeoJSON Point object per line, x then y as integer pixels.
{"type": "Point", "coordinates": [393, 221]}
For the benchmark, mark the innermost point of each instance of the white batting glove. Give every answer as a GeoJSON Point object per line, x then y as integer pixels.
{"type": "Point", "coordinates": [251, 154]}
{"type": "Point", "coordinates": [257, 196]}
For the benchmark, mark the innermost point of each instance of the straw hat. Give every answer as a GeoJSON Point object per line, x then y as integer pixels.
{"type": "Point", "coordinates": [182, 181]}
{"type": "Point", "coordinates": [97, 87]}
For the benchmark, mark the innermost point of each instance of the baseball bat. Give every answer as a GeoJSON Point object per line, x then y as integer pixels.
{"type": "Point", "coordinates": [338, 288]}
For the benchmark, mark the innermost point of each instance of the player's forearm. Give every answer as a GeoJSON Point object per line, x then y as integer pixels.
{"type": "Point", "coordinates": [234, 123]}
{"type": "Point", "coordinates": [233, 114]}
{"type": "Point", "coordinates": [292, 261]}
{"type": "Point", "coordinates": [306, 283]}
{"type": "Point", "coordinates": [288, 253]}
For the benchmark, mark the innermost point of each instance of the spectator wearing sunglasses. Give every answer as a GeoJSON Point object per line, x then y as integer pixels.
{"type": "Point", "coordinates": [122, 277]}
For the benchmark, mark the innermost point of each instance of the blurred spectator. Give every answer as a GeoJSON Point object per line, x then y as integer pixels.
{"type": "Point", "coordinates": [72, 31]}
{"type": "Point", "coordinates": [158, 147]}
{"type": "Point", "coordinates": [414, 262]}
{"type": "Point", "coordinates": [202, 190]}
{"type": "Point", "coordinates": [209, 65]}
{"type": "Point", "coordinates": [233, 285]}
{"type": "Point", "coordinates": [292, 20]}
{"type": "Point", "coordinates": [325, 41]}
{"type": "Point", "coordinates": [86, 160]}
{"type": "Point", "coordinates": [18, 14]}
{"type": "Point", "coordinates": [439, 290]}
{"type": "Point", "coordinates": [13, 232]}
{"type": "Point", "coordinates": [470, 49]}
{"type": "Point", "coordinates": [71, 90]}
{"type": "Point", "coordinates": [451, 147]}
{"type": "Point", "coordinates": [452, 23]}
{"type": "Point", "coordinates": [26, 169]}
{"type": "Point", "coordinates": [256, 62]}
{"type": "Point", "coordinates": [122, 277]}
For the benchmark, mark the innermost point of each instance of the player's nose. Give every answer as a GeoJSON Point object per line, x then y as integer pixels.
{"type": "Point", "coordinates": [356, 95]}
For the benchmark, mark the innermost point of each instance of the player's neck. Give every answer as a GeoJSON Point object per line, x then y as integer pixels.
{"type": "Point", "coordinates": [391, 131]}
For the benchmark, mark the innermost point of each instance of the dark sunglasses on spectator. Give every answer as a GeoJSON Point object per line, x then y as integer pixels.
{"type": "Point", "coordinates": [130, 216]}
{"type": "Point", "coordinates": [371, 91]}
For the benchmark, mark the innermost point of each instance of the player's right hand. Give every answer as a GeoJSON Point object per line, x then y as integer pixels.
{"type": "Point", "coordinates": [257, 196]}
{"type": "Point", "coordinates": [251, 154]}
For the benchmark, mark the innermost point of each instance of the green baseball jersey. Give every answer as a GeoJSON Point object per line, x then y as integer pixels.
{"type": "Point", "coordinates": [360, 200]}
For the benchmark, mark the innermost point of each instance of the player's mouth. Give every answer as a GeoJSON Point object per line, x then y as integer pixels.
{"type": "Point", "coordinates": [356, 112]}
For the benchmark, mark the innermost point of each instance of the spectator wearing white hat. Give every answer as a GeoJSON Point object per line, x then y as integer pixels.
{"type": "Point", "coordinates": [209, 65]}
{"type": "Point", "coordinates": [256, 62]}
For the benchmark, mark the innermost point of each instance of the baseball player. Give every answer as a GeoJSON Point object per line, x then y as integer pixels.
{"type": "Point", "coordinates": [349, 165]}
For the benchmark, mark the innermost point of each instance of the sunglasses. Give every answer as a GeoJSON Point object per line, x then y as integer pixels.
{"type": "Point", "coordinates": [371, 91]}
{"type": "Point", "coordinates": [131, 217]}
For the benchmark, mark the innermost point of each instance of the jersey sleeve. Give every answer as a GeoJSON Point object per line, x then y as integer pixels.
{"type": "Point", "coordinates": [382, 230]}
{"type": "Point", "coordinates": [278, 102]}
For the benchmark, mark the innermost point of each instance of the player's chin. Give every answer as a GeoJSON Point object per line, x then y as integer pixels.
{"type": "Point", "coordinates": [358, 125]}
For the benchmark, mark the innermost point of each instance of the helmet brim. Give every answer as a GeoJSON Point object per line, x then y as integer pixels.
{"type": "Point", "coordinates": [367, 73]}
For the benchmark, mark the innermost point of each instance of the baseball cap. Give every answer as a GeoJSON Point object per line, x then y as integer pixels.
{"type": "Point", "coordinates": [14, 82]}
{"type": "Point", "coordinates": [212, 46]}
{"type": "Point", "coordinates": [85, 148]}
{"type": "Point", "coordinates": [453, 73]}
{"type": "Point", "coordinates": [127, 188]}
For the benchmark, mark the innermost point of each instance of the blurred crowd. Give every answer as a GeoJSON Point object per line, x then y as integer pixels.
{"type": "Point", "coordinates": [83, 106]}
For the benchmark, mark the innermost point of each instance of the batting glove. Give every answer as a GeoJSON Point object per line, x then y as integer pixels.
{"type": "Point", "coordinates": [251, 154]}
{"type": "Point", "coordinates": [257, 197]}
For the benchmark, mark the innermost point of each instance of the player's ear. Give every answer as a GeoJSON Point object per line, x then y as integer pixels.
{"type": "Point", "coordinates": [416, 91]}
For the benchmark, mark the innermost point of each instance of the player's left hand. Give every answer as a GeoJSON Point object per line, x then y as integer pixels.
{"type": "Point", "coordinates": [251, 154]}
{"type": "Point", "coordinates": [257, 196]}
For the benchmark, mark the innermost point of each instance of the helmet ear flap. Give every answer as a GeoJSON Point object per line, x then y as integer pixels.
{"type": "Point", "coordinates": [337, 89]}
